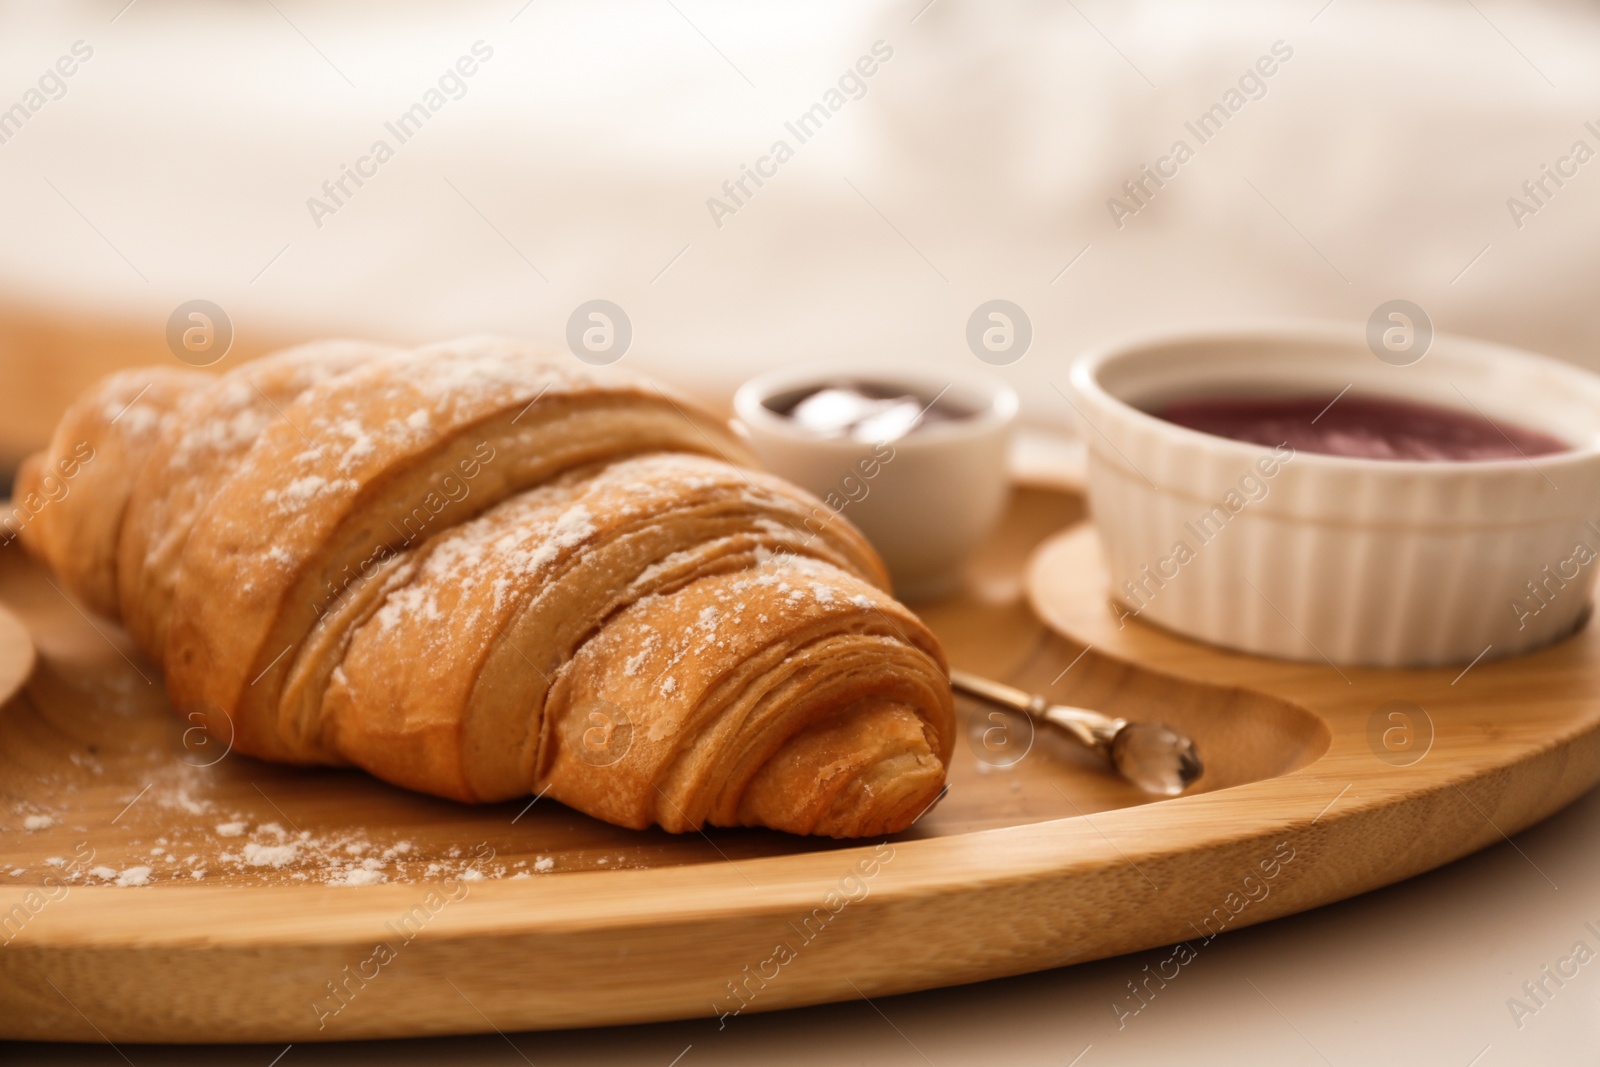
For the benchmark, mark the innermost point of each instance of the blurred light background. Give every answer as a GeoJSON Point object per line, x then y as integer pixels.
{"type": "Point", "coordinates": [1377, 162]}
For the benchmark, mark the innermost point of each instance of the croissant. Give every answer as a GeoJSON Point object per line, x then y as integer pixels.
{"type": "Point", "coordinates": [481, 574]}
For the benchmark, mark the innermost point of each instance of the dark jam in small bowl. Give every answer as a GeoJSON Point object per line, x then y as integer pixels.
{"type": "Point", "coordinates": [1362, 427]}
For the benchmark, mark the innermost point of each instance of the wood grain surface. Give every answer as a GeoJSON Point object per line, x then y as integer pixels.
{"type": "Point", "coordinates": [522, 916]}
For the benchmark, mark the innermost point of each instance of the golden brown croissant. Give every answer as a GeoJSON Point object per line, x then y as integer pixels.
{"type": "Point", "coordinates": [481, 574]}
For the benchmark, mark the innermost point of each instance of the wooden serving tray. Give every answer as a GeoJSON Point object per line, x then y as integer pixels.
{"type": "Point", "coordinates": [522, 917]}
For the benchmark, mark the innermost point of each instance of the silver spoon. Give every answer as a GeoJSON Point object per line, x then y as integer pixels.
{"type": "Point", "coordinates": [1152, 756]}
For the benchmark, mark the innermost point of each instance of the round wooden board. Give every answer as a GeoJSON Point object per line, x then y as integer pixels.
{"type": "Point", "coordinates": [526, 916]}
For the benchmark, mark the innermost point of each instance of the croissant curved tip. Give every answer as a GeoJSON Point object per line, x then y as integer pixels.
{"type": "Point", "coordinates": [868, 772]}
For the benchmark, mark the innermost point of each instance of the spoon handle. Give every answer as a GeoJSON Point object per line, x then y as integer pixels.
{"type": "Point", "coordinates": [1090, 728]}
{"type": "Point", "coordinates": [973, 685]}
{"type": "Point", "coordinates": [1151, 755]}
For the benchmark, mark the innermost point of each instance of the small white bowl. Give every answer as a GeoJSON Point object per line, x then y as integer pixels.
{"type": "Point", "coordinates": [1355, 561]}
{"type": "Point", "coordinates": [926, 500]}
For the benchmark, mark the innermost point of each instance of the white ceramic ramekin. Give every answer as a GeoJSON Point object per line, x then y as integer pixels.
{"type": "Point", "coordinates": [926, 500]}
{"type": "Point", "coordinates": [1355, 561]}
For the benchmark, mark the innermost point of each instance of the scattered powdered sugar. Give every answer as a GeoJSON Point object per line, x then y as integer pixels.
{"type": "Point", "coordinates": [180, 800]}
{"type": "Point", "coordinates": [135, 419]}
{"type": "Point", "coordinates": [575, 524]}
{"type": "Point", "coordinates": [496, 549]}
{"type": "Point", "coordinates": [336, 859]}
{"type": "Point", "coordinates": [570, 529]}
{"type": "Point", "coordinates": [270, 855]}
{"type": "Point", "coordinates": [359, 876]}
{"type": "Point", "coordinates": [34, 823]}
{"type": "Point", "coordinates": [134, 876]}
{"type": "Point", "coordinates": [631, 665]}
{"type": "Point", "coordinates": [239, 851]}
{"type": "Point", "coordinates": [360, 441]}
{"type": "Point", "coordinates": [299, 491]}
{"type": "Point", "coordinates": [792, 584]}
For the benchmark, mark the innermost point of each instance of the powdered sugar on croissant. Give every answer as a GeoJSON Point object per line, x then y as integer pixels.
{"type": "Point", "coordinates": [482, 574]}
